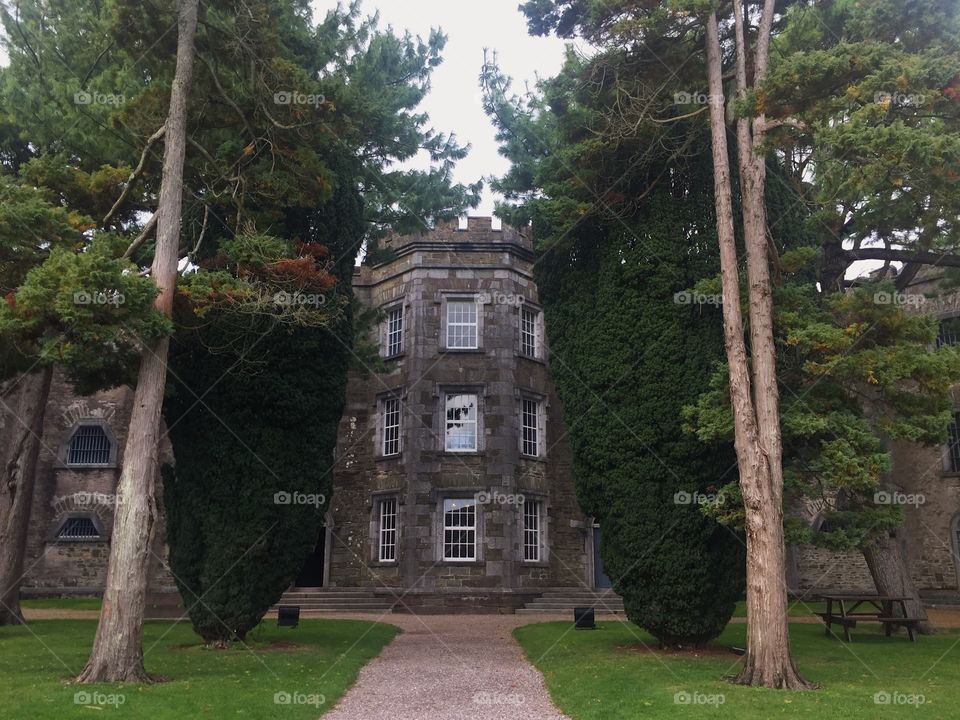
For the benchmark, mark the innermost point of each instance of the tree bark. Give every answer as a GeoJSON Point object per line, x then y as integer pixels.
{"type": "Point", "coordinates": [117, 654]}
{"type": "Point", "coordinates": [768, 661]}
{"type": "Point", "coordinates": [21, 429]}
{"type": "Point", "coordinates": [888, 566]}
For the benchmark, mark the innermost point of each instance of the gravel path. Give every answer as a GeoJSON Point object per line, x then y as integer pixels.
{"type": "Point", "coordinates": [450, 667]}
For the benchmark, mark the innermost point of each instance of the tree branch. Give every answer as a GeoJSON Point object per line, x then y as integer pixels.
{"type": "Point", "coordinates": [135, 174]}
{"type": "Point", "coordinates": [923, 257]}
{"type": "Point", "coordinates": [138, 241]}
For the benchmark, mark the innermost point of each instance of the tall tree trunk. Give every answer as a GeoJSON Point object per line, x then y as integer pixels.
{"type": "Point", "coordinates": [888, 565]}
{"type": "Point", "coordinates": [768, 661]}
{"type": "Point", "coordinates": [117, 654]}
{"type": "Point", "coordinates": [24, 403]}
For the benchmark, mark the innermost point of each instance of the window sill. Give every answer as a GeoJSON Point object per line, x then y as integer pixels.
{"type": "Point", "coordinates": [461, 563]}
{"type": "Point", "coordinates": [388, 458]}
{"type": "Point", "coordinates": [383, 563]}
{"type": "Point", "coordinates": [87, 466]}
{"type": "Point", "coordinates": [537, 360]}
{"type": "Point", "coordinates": [534, 563]}
{"type": "Point", "coordinates": [461, 453]}
{"type": "Point", "coordinates": [397, 356]}
{"type": "Point", "coordinates": [950, 473]}
{"type": "Point", "coordinates": [461, 351]}
{"type": "Point", "coordinates": [533, 458]}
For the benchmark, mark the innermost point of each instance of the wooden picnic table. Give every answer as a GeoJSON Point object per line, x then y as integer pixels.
{"type": "Point", "coordinates": [882, 611]}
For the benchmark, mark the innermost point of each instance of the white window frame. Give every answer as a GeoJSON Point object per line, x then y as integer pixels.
{"type": "Point", "coordinates": [532, 546]}
{"type": "Point", "coordinates": [528, 431]}
{"type": "Point", "coordinates": [394, 330]}
{"type": "Point", "coordinates": [391, 433]}
{"type": "Point", "coordinates": [529, 336]}
{"type": "Point", "coordinates": [387, 529]}
{"type": "Point", "coordinates": [449, 424]}
{"type": "Point", "coordinates": [457, 526]}
{"type": "Point", "coordinates": [449, 325]}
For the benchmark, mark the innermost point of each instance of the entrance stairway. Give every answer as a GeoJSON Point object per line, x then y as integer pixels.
{"type": "Point", "coordinates": [334, 600]}
{"type": "Point", "coordinates": [603, 601]}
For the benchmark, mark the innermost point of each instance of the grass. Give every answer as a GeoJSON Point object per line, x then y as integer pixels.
{"type": "Point", "coordinates": [313, 664]}
{"type": "Point", "coordinates": [90, 603]}
{"type": "Point", "coordinates": [594, 675]}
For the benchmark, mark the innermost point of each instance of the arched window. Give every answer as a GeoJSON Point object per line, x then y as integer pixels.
{"type": "Point", "coordinates": [90, 445]}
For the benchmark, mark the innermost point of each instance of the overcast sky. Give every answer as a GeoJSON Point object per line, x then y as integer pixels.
{"type": "Point", "coordinates": [454, 103]}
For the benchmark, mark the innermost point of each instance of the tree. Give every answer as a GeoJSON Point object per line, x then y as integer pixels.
{"type": "Point", "coordinates": [69, 301]}
{"type": "Point", "coordinates": [614, 274]}
{"type": "Point", "coordinates": [857, 375]}
{"type": "Point", "coordinates": [231, 573]}
{"type": "Point", "coordinates": [625, 354]}
{"type": "Point", "coordinates": [684, 33]}
{"type": "Point", "coordinates": [244, 510]}
{"type": "Point", "coordinates": [865, 98]}
{"type": "Point", "coordinates": [117, 654]}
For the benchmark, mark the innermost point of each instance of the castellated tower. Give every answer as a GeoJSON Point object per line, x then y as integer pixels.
{"type": "Point", "coordinates": [452, 483]}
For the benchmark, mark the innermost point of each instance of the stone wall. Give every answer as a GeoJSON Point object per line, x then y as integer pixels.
{"type": "Point", "coordinates": [78, 566]}
{"type": "Point", "coordinates": [929, 489]}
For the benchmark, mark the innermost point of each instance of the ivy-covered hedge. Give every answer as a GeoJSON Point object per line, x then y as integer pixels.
{"type": "Point", "coordinates": [247, 435]}
{"type": "Point", "coordinates": [630, 347]}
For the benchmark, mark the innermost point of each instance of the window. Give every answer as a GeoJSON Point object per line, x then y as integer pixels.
{"type": "Point", "coordinates": [460, 529]}
{"type": "Point", "coordinates": [89, 446]}
{"type": "Point", "coordinates": [387, 541]}
{"type": "Point", "coordinates": [462, 324]}
{"type": "Point", "coordinates": [461, 432]}
{"type": "Point", "coordinates": [948, 332]}
{"type": "Point", "coordinates": [954, 443]}
{"type": "Point", "coordinates": [528, 333]}
{"type": "Point", "coordinates": [80, 527]}
{"type": "Point", "coordinates": [391, 426]}
{"type": "Point", "coordinates": [530, 427]}
{"type": "Point", "coordinates": [395, 331]}
{"type": "Point", "coordinates": [531, 531]}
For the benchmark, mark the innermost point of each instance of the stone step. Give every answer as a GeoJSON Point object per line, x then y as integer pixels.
{"type": "Point", "coordinates": [563, 607]}
{"type": "Point", "coordinates": [332, 596]}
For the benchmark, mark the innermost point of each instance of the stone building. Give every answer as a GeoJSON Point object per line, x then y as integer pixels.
{"type": "Point", "coordinates": [453, 477]}
{"type": "Point", "coordinates": [435, 454]}
{"type": "Point", "coordinates": [452, 481]}
{"type": "Point", "coordinates": [927, 481]}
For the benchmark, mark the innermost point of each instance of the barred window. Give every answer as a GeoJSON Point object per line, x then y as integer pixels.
{"type": "Point", "coordinates": [89, 446]}
{"type": "Point", "coordinates": [387, 541]}
{"type": "Point", "coordinates": [530, 427]}
{"type": "Point", "coordinates": [78, 528]}
{"type": "Point", "coordinates": [460, 529]}
{"type": "Point", "coordinates": [954, 443]}
{"type": "Point", "coordinates": [395, 331]}
{"type": "Point", "coordinates": [462, 324]}
{"type": "Point", "coordinates": [528, 333]}
{"type": "Point", "coordinates": [461, 430]}
{"type": "Point", "coordinates": [391, 426]}
{"type": "Point", "coordinates": [531, 530]}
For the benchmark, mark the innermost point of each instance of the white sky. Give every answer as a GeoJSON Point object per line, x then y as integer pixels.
{"type": "Point", "coordinates": [454, 102]}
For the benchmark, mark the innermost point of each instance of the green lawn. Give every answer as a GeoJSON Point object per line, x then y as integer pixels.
{"type": "Point", "coordinates": [310, 666]}
{"type": "Point", "coordinates": [596, 675]}
{"type": "Point", "coordinates": [91, 603]}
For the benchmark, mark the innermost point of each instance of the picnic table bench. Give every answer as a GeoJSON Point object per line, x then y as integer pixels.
{"type": "Point", "coordinates": [882, 611]}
